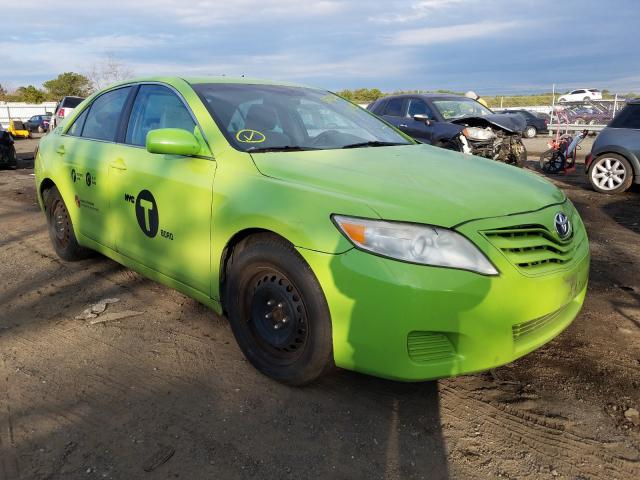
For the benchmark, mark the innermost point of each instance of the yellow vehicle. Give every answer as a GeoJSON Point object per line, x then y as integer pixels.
{"type": "Point", "coordinates": [18, 129]}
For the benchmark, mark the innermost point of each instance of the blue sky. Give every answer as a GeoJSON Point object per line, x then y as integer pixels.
{"type": "Point", "coordinates": [491, 46]}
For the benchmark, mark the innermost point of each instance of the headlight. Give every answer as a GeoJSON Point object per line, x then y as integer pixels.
{"type": "Point", "coordinates": [422, 244]}
{"type": "Point", "coordinates": [476, 133]}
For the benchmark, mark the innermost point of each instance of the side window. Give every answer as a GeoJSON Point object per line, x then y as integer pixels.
{"type": "Point", "coordinates": [629, 117]}
{"type": "Point", "coordinates": [104, 115]}
{"type": "Point", "coordinates": [156, 107]}
{"type": "Point", "coordinates": [418, 107]}
{"type": "Point", "coordinates": [76, 128]}
{"type": "Point", "coordinates": [394, 107]}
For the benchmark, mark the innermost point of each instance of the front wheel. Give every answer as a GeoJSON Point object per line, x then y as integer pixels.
{"type": "Point", "coordinates": [530, 132]}
{"type": "Point", "coordinates": [611, 173]}
{"type": "Point", "coordinates": [277, 310]}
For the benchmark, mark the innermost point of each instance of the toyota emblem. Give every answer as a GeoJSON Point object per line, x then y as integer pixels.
{"type": "Point", "coordinates": [562, 224]}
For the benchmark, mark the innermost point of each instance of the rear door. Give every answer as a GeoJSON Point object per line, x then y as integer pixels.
{"type": "Point", "coordinates": [87, 149]}
{"type": "Point", "coordinates": [162, 203]}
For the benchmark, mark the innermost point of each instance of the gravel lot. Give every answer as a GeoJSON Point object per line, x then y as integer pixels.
{"type": "Point", "coordinates": [170, 392]}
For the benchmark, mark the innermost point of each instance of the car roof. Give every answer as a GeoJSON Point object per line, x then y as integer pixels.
{"type": "Point", "coordinates": [429, 96]}
{"type": "Point", "coordinates": [212, 79]}
{"type": "Point", "coordinates": [634, 101]}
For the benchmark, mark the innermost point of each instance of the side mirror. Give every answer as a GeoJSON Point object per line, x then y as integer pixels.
{"type": "Point", "coordinates": [172, 141]}
{"type": "Point", "coordinates": [421, 117]}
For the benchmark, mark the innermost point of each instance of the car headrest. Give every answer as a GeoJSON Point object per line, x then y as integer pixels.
{"type": "Point", "coordinates": [261, 117]}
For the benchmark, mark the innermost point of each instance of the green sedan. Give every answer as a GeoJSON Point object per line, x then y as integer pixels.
{"type": "Point", "coordinates": [327, 237]}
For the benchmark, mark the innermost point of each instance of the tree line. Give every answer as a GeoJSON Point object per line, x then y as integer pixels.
{"type": "Point", "coordinates": [109, 70]}
{"type": "Point", "coordinates": [68, 83]}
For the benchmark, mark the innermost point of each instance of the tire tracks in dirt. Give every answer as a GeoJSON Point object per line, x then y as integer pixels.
{"type": "Point", "coordinates": [553, 441]}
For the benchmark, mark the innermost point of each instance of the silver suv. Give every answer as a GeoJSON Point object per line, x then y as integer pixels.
{"type": "Point", "coordinates": [64, 109]}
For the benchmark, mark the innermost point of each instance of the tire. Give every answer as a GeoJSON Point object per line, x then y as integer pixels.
{"type": "Point", "coordinates": [521, 161]}
{"type": "Point", "coordinates": [61, 231]}
{"type": "Point", "coordinates": [277, 310]}
{"type": "Point", "coordinates": [562, 100]}
{"type": "Point", "coordinates": [530, 131]}
{"type": "Point", "coordinates": [603, 177]}
{"type": "Point", "coordinates": [586, 99]}
{"type": "Point", "coordinates": [580, 121]}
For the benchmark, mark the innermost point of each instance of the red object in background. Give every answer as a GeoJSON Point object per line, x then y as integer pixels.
{"type": "Point", "coordinates": [60, 113]}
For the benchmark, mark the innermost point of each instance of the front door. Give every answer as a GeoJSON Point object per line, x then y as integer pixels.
{"type": "Point", "coordinates": [418, 128]}
{"type": "Point", "coordinates": [162, 203]}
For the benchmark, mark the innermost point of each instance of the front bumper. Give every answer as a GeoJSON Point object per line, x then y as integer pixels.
{"type": "Point", "coordinates": [414, 322]}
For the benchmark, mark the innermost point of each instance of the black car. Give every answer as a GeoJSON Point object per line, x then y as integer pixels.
{"type": "Point", "coordinates": [7, 150]}
{"type": "Point", "coordinates": [614, 162]}
{"type": "Point", "coordinates": [38, 123]}
{"type": "Point", "coordinates": [457, 123]}
{"type": "Point", "coordinates": [535, 124]}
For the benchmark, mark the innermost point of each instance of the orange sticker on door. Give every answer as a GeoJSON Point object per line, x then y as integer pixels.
{"type": "Point", "coordinates": [250, 136]}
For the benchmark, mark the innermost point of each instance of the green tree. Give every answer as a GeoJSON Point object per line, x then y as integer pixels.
{"type": "Point", "coordinates": [68, 83]}
{"type": "Point", "coordinates": [29, 94]}
{"type": "Point", "coordinates": [3, 94]}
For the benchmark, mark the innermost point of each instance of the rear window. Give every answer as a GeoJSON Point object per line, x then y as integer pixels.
{"type": "Point", "coordinates": [71, 102]}
{"type": "Point", "coordinates": [628, 117]}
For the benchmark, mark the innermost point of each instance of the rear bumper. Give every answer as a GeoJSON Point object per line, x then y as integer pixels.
{"type": "Point", "coordinates": [413, 322]}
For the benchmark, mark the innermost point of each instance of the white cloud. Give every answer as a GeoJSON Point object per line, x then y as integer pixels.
{"type": "Point", "coordinates": [401, 12]}
{"type": "Point", "coordinates": [198, 13]}
{"type": "Point", "coordinates": [450, 33]}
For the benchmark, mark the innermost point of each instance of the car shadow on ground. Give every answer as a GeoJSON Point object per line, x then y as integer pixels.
{"type": "Point", "coordinates": [176, 384]}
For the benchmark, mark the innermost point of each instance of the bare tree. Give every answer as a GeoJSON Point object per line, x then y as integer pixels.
{"type": "Point", "coordinates": [109, 70]}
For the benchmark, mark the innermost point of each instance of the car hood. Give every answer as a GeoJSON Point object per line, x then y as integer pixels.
{"type": "Point", "coordinates": [416, 183]}
{"type": "Point", "coordinates": [507, 122]}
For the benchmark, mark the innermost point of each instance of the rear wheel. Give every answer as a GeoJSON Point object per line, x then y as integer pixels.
{"type": "Point", "coordinates": [277, 310]}
{"type": "Point", "coordinates": [610, 173]}
{"type": "Point", "coordinates": [530, 131]}
{"type": "Point", "coordinates": [61, 231]}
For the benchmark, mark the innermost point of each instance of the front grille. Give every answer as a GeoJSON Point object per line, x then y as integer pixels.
{"type": "Point", "coordinates": [533, 248]}
{"type": "Point", "coordinates": [522, 330]}
{"type": "Point", "coordinates": [426, 347]}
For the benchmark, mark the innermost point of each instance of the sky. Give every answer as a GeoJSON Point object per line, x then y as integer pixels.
{"type": "Point", "coordinates": [490, 46]}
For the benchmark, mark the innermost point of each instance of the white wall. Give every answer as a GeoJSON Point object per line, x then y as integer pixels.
{"type": "Point", "coordinates": [23, 111]}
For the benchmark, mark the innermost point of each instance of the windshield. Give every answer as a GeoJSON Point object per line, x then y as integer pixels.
{"type": "Point", "coordinates": [258, 118]}
{"type": "Point", "coordinates": [462, 107]}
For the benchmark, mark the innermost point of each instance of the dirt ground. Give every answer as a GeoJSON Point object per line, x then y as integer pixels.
{"type": "Point", "coordinates": [113, 399]}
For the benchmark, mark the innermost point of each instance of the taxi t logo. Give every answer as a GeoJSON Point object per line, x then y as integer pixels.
{"type": "Point", "coordinates": [147, 213]}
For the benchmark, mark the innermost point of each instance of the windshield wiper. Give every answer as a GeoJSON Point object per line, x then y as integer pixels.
{"type": "Point", "coordinates": [374, 143]}
{"type": "Point", "coordinates": [285, 148]}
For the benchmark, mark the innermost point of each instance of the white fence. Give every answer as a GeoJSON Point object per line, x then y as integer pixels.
{"type": "Point", "coordinates": [23, 111]}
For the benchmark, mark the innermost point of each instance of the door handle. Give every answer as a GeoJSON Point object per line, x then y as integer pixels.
{"type": "Point", "coordinates": [402, 125]}
{"type": "Point", "coordinates": [60, 150]}
{"type": "Point", "coordinates": [118, 164]}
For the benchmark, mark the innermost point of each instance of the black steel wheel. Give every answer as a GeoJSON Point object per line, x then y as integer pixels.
{"type": "Point", "coordinates": [61, 231]}
{"type": "Point", "coordinates": [277, 310]}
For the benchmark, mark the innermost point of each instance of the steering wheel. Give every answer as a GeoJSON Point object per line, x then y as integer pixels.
{"type": "Point", "coordinates": [326, 135]}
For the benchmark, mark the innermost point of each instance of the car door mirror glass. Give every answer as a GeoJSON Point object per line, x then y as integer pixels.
{"type": "Point", "coordinates": [172, 141]}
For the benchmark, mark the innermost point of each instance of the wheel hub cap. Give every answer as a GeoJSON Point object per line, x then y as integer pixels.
{"type": "Point", "coordinates": [278, 317]}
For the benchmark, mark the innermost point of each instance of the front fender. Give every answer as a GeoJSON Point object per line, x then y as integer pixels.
{"type": "Point", "coordinates": [244, 199]}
